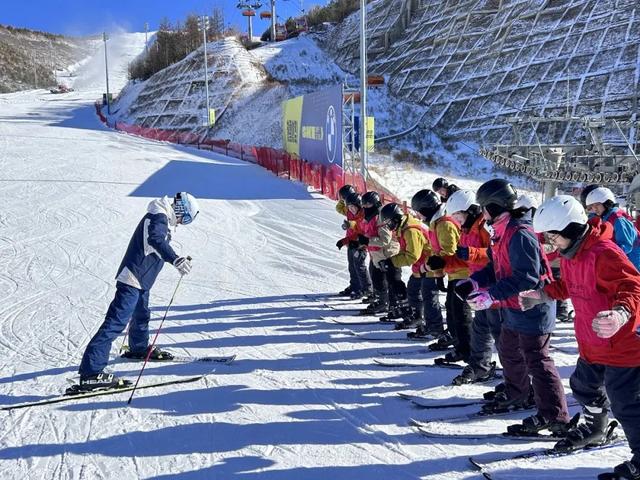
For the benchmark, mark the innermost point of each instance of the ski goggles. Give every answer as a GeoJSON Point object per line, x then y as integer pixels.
{"type": "Point", "coordinates": [182, 212]}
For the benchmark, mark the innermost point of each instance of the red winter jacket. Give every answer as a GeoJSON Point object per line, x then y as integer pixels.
{"type": "Point", "coordinates": [600, 277]}
{"type": "Point", "coordinates": [355, 224]}
{"type": "Point", "coordinates": [370, 229]}
{"type": "Point", "coordinates": [478, 240]}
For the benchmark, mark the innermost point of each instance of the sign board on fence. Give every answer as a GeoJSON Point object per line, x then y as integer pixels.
{"type": "Point", "coordinates": [212, 117]}
{"type": "Point", "coordinates": [312, 126]}
{"type": "Point", "coordinates": [371, 128]}
{"type": "Point", "coordinates": [371, 124]}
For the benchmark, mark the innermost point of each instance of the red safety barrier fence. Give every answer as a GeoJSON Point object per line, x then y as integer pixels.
{"type": "Point", "coordinates": [323, 178]}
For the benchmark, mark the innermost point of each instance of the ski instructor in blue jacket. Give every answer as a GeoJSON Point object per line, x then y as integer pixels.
{"type": "Point", "coordinates": [148, 250]}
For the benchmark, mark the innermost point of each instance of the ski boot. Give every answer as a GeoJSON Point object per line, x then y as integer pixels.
{"type": "Point", "coordinates": [502, 404]}
{"type": "Point", "coordinates": [373, 308]}
{"type": "Point", "coordinates": [395, 312]}
{"type": "Point", "coordinates": [370, 297]}
{"type": "Point", "coordinates": [157, 355]}
{"type": "Point", "coordinates": [356, 295]}
{"type": "Point", "coordinates": [444, 342]}
{"type": "Point", "coordinates": [345, 293]}
{"type": "Point", "coordinates": [469, 375]}
{"type": "Point", "coordinates": [411, 319]}
{"type": "Point", "coordinates": [533, 425]}
{"type": "Point", "coordinates": [99, 381]}
{"type": "Point", "coordinates": [422, 333]}
{"type": "Point", "coordinates": [451, 357]}
{"type": "Point", "coordinates": [591, 433]}
{"type": "Point", "coordinates": [629, 470]}
{"type": "Point", "coordinates": [491, 394]}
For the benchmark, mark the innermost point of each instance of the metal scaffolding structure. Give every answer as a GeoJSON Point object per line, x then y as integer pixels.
{"type": "Point", "coordinates": [602, 150]}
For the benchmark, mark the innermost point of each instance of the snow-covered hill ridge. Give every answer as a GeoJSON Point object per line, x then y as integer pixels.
{"type": "Point", "coordinates": [246, 88]}
{"type": "Point", "coordinates": [31, 59]}
{"type": "Point", "coordinates": [475, 62]}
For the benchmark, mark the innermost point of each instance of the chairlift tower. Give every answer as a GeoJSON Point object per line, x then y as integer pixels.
{"type": "Point", "coordinates": [249, 11]}
{"type": "Point", "coordinates": [351, 159]}
{"type": "Point", "coordinates": [606, 152]}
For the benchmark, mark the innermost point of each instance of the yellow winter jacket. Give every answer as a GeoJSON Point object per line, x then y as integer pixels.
{"type": "Point", "coordinates": [412, 242]}
{"type": "Point", "coordinates": [448, 234]}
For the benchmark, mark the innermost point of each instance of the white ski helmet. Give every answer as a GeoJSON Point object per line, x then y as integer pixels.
{"type": "Point", "coordinates": [558, 212]}
{"type": "Point", "coordinates": [600, 195]}
{"type": "Point", "coordinates": [460, 201]}
{"type": "Point", "coordinates": [186, 207]}
{"type": "Point", "coordinates": [526, 201]}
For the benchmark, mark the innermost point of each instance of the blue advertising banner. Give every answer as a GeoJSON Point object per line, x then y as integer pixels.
{"type": "Point", "coordinates": [312, 126]}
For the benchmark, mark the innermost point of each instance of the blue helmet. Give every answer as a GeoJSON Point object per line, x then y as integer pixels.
{"type": "Point", "coordinates": [186, 207]}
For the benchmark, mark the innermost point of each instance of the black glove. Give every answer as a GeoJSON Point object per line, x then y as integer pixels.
{"type": "Point", "coordinates": [440, 284]}
{"type": "Point", "coordinates": [462, 253]}
{"type": "Point", "coordinates": [353, 244]}
{"type": "Point", "coordinates": [385, 265]}
{"type": "Point", "coordinates": [363, 240]}
{"type": "Point", "coordinates": [464, 288]}
{"type": "Point", "coordinates": [340, 244]}
{"type": "Point", "coordinates": [435, 262]}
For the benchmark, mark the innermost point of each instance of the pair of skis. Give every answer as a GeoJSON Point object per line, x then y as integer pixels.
{"type": "Point", "coordinates": [484, 466]}
{"type": "Point", "coordinates": [77, 394]}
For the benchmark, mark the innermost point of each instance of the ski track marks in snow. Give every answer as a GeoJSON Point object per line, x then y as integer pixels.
{"type": "Point", "coordinates": [302, 399]}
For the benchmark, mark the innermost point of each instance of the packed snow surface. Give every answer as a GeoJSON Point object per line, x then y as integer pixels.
{"type": "Point", "coordinates": [303, 400]}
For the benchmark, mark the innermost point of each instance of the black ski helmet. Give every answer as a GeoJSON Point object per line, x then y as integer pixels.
{"type": "Point", "coordinates": [372, 198]}
{"type": "Point", "coordinates": [497, 196]}
{"type": "Point", "coordinates": [391, 215]}
{"type": "Point", "coordinates": [346, 190]}
{"type": "Point", "coordinates": [353, 199]}
{"type": "Point", "coordinates": [426, 202]}
{"type": "Point", "coordinates": [585, 193]}
{"type": "Point", "coordinates": [439, 183]}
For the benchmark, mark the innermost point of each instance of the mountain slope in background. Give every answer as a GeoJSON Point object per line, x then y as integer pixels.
{"type": "Point", "coordinates": [30, 59]}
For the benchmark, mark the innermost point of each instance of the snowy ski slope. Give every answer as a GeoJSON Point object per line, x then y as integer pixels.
{"type": "Point", "coordinates": [303, 400]}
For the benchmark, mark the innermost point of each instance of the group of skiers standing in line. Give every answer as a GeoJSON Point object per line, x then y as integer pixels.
{"type": "Point", "coordinates": [495, 249]}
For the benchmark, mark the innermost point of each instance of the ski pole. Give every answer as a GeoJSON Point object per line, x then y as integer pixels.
{"type": "Point", "coordinates": [124, 339]}
{"type": "Point", "coordinates": [155, 338]}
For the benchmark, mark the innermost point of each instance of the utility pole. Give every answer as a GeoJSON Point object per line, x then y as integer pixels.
{"type": "Point", "coordinates": [52, 61]}
{"type": "Point", "coordinates": [204, 26]}
{"type": "Point", "coordinates": [35, 69]}
{"type": "Point", "coordinates": [364, 147]}
{"type": "Point", "coordinates": [146, 38]}
{"type": "Point", "coordinates": [273, 20]}
{"type": "Point", "coordinates": [106, 69]}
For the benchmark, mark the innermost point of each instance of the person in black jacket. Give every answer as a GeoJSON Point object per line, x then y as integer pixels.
{"type": "Point", "coordinates": [148, 250]}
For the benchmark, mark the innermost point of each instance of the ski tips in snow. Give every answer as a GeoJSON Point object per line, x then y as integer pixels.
{"type": "Point", "coordinates": [101, 392]}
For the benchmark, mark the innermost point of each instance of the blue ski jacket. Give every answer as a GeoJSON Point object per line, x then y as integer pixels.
{"type": "Point", "coordinates": [149, 246]}
{"type": "Point", "coordinates": [625, 234]}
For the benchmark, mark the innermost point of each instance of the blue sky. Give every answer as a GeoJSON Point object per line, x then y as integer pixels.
{"type": "Point", "coordinates": [82, 17]}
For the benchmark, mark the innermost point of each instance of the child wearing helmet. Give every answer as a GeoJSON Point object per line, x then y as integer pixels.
{"type": "Point", "coordinates": [472, 248]}
{"type": "Point", "coordinates": [410, 235]}
{"type": "Point", "coordinates": [148, 251]}
{"type": "Point", "coordinates": [444, 236]}
{"type": "Point", "coordinates": [605, 289]}
{"type": "Point", "coordinates": [601, 201]}
{"type": "Point", "coordinates": [360, 283]}
{"type": "Point", "coordinates": [517, 263]}
{"type": "Point", "coordinates": [381, 244]}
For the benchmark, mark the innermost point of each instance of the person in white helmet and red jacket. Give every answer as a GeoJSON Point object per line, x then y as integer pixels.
{"type": "Point", "coordinates": [516, 264]}
{"type": "Point", "coordinates": [601, 201]}
{"type": "Point", "coordinates": [604, 287]}
{"type": "Point", "coordinates": [444, 235]}
{"type": "Point", "coordinates": [472, 248]}
{"type": "Point", "coordinates": [527, 203]}
{"type": "Point", "coordinates": [149, 249]}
